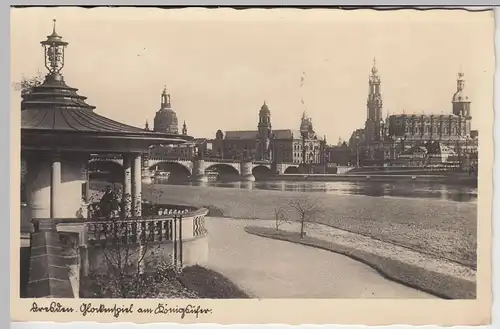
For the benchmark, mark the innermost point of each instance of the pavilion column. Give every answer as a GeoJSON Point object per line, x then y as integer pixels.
{"type": "Point", "coordinates": [56, 199]}
{"type": "Point", "coordinates": [137, 185]}
{"type": "Point", "coordinates": [37, 184]}
{"type": "Point", "coordinates": [127, 186]}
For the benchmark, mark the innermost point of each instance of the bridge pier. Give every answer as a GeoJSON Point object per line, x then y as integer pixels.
{"type": "Point", "coordinates": [246, 171]}
{"type": "Point", "coordinates": [198, 173]}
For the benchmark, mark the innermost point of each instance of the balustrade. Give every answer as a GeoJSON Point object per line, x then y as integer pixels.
{"type": "Point", "coordinates": [159, 223]}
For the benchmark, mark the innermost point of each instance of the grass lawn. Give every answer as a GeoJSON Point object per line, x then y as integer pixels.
{"type": "Point", "coordinates": [209, 284]}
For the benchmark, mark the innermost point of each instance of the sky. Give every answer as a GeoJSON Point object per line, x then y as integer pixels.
{"type": "Point", "coordinates": [220, 65]}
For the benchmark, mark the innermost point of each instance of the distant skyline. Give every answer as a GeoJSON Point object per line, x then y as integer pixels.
{"type": "Point", "coordinates": [221, 65]}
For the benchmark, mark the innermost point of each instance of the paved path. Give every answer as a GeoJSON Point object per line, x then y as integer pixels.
{"type": "Point", "coordinates": [269, 268]}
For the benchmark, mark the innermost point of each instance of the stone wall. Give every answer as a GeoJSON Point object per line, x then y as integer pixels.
{"type": "Point", "coordinates": [51, 261]}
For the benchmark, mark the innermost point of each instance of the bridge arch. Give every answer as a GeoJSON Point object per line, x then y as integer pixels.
{"type": "Point", "coordinates": [261, 172]}
{"type": "Point", "coordinates": [107, 170]}
{"type": "Point", "coordinates": [225, 171]}
{"type": "Point", "coordinates": [291, 170]}
{"type": "Point", "coordinates": [178, 171]}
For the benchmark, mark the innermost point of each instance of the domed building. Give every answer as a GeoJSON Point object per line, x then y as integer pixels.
{"type": "Point", "coordinates": [166, 119]}
{"type": "Point", "coordinates": [383, 141]}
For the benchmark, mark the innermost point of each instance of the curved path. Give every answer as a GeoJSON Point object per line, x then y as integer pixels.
{"type": "Point", "coordinates": [268, 268]}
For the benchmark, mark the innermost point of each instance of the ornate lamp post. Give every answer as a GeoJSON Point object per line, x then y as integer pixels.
{"type": "Point", "coordinates": [54, 52]}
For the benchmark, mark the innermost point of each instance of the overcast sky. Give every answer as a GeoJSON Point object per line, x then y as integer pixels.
{"type": "Point", "coordinates": [220, 65]}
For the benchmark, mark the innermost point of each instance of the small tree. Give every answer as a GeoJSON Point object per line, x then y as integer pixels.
{"type": "Point", "coordinates": [307, 209]}
{"type": "Point", "coordinates": [280, 218]}
{"type": "Point", "coordinates": [127, 251]}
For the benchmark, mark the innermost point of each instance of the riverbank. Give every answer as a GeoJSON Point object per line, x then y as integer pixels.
{"type": "Point", "coordinates": [465, 180]}
{"type": "Point", "coordinates": [267, 268]}
{"type": "Point", "coordinates": [438, 277]}
{"type": "Point", "coordinates": [443, 229]}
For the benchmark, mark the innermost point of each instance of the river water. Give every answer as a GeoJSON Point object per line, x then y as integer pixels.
{"type": "Point", "coordinates": [374, 189]}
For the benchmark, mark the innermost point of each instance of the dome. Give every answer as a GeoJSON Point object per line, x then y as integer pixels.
{"type": "Point", "coordinates": [264, 107]}
{"type": "Point", "coordinates": [166, 121]}
{"type": "Point", "coordinates": [304, 126]}
{"type": "Point", "coordinates": [166, 118]}
{"type": "Point", "coordinates": [460, 96]}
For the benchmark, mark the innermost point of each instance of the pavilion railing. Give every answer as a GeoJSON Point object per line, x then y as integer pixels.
{"type": "Point", "coordinates": [132, 231]}
{"type": "Point", "coordinates": [160, 223]}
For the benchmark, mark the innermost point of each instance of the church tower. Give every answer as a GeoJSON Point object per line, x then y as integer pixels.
{"type": "Point", "coordinates": [264, 125]}
{"type": "Point", "coordinates": [374, 106]}
{"type": "Point", "coordinates": [461, 106]}
{"type": "Point", "coordinates": [264, 130]}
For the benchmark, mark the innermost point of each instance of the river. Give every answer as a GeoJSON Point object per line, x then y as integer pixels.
{"type": "Point", "coordinates": [374, 189]}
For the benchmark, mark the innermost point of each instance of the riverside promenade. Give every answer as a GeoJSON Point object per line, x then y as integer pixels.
{"type": "Point", "coordinates": [267, 268]}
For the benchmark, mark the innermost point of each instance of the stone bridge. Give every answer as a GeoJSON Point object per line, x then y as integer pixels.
{"type": "Point", "coordinates": [197, 167]}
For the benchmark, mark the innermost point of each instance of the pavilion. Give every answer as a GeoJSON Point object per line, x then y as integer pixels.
{"type": "Point", "coordinates": [59, 132]}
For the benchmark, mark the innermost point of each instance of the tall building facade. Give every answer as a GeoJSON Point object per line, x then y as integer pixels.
{"type": "Point", "coordinates": [267, 144]}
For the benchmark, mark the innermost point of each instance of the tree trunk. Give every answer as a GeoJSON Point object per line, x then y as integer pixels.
{"type": "Point", "coordinates": [302, 228]}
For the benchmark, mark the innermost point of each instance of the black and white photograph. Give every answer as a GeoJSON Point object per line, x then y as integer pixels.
{"type": "Point", "coordinates": [262, 154]}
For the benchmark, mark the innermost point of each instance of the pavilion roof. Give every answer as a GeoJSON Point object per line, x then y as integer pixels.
{"type": "Point", "coordinates": [54, 109]}
{"type": "Point", "coordinates": [55, 106]}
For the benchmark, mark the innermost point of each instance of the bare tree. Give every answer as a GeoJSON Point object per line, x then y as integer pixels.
{"type": "Point", "coordinates": [27, 84]}
{"type": "Point", "coordinates": [307, 208]}
{"type": "Point", "coordinates": [280, 218]}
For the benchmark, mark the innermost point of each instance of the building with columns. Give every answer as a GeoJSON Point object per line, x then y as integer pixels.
{"type": "Point", "coordinates": [384, 140]}
{"type": "Point", "coordinates": [268, 144]}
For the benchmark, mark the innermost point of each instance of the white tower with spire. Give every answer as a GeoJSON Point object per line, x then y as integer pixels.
{"type": "Point", "coordinates": [374, 106]}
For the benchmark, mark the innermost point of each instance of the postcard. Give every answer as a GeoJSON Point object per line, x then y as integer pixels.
{"type": "Point", "coordinates": [296, 166]}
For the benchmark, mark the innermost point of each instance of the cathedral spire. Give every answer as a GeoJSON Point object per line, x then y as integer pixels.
{"type": "Point", "coordinates": [146, 126]}
{"type": "Point", "coordinates": [184, 128]}
{"type": "Point", "coordinates": [374, 71]}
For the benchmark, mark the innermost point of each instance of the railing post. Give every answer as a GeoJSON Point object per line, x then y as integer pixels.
{"type": "Point", "coordinates": [174, 242]}
{"type": "Point", "coordinates": [180, 239]}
